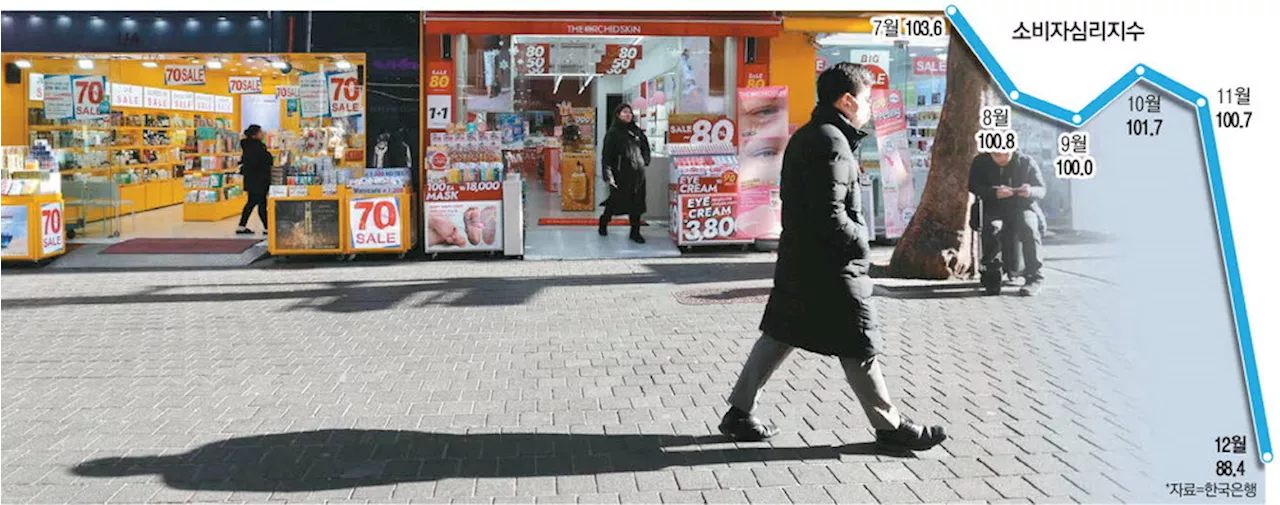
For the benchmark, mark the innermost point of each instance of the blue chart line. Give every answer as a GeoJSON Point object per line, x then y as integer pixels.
{"type": "Point", "coordinates": [1142, 72]}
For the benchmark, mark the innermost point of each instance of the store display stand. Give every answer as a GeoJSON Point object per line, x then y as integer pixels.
{"type": "Point", "coordinates": [32, 207]}
{"type": "Point", "coordinates": [704, 195]}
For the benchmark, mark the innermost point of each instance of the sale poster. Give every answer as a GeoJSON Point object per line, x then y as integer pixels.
{"type": "Point", "coordinates": [877, 61]}
{"type": "Point", "coordinates": [239, 84]}
{"type": "Point", "coordinates": [52, 238]}
{"type": "Point", "coordinates": [374, 223]}
{"type": "Point", "coordinates": [184, 75]}
{"type": "Point", "coordinates": [287, 92]}
{"type": "Point", "coordinates": [14, 241]}
{"type": "Point", "coordinates": [701, 129]}
{"type": "Point", "coordinates": [312, 93]}
{"type": "Point", "coordinates": [59, 101]}
{"type": "Point", "coordinates": [90, 95]}
{"type": "Point", "coordinates": [183, 100]}
{"type": "Point", "coordinates": [35, 87]}
{"type": "Point", "coordinates": [578, 176]}
{"type": "Point", "coordinates": [302, 225]}
{"type": "Point", "coordinates": [461, 214]}
{"type": "Point", "coordinates": [533, 59]}
{"type": "Point", "coordinates": [347, 95]}
{"type": "Point", "coordinates": [898, 194]}
{"type": "Point", "coordinates": [762, 138]}
{"type": "Point", "coordinates": [156, 98]}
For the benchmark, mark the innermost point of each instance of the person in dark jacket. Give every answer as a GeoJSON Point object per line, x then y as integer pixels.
{"type": "Point", "coordinates": [821, 298]}
{"type": "Point", "coordinates": [255, 165]}
{"type": "Point", "coordinates": [626, 155]}
{"type": "Point", "coordinates": [1010, 186]}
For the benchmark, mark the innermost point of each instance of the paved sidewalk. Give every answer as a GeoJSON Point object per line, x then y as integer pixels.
{"type": "Point", "coordinates": [531, 382]}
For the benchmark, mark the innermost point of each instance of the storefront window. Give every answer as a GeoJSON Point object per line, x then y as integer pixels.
{"type": "Point", "coordinates": [531, 79]}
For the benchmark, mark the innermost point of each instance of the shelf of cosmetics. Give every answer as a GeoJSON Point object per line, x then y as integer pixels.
{"type": "Point", "coordinates": [118, 119]}
{"type": "Point", "coordinates": [29, 171]}
{"type": "Point", "coordinates": [73, 160]}
{"type": "Point", "coordinates": [365, 181]}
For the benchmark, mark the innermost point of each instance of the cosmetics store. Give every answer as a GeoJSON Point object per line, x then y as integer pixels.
{"type": "Point", "coordinates": [530, 97]}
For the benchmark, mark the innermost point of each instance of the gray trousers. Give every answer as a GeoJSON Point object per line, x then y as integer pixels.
{"type": "Point", "coordinates": [865, 377]}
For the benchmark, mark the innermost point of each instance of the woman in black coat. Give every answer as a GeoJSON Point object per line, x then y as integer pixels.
{"type": "Point", "coordinates": [255, 165]}
{"type": "Point", "coordinates": [626, 155]}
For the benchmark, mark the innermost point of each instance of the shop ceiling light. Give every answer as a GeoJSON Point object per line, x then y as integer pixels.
{"type": "Point", "coordinates": [215, 64]}
{"type": "Point", "coordinates": [343, 65]}
{"type": "Point", "coordinates": [279, 65]}
{"type": "Point", "coordinates": [23, 63]}
{"type": "Point", "coordinates": [85, 64]}
{"type": "Point", "coordinates": [150, 64]}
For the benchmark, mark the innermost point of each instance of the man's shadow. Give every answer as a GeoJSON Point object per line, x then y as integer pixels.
{"type": "Point", "coordinates": [335, 459]}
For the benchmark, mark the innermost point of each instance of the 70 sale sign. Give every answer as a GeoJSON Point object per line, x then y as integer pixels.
{"type": "Point", "coordinates": [375, 223]}
{"type": "Point", "coordinates": [52, 238]}
{"type": "Point", "coordinates": [89, 93]}
{"type": "Point", "coordinates": [346, 95]}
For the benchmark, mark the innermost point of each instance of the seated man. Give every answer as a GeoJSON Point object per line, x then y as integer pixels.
{"type": "Point", "coordinates": [1009, 185]}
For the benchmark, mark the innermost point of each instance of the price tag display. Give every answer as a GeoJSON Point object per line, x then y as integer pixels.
{"type": "Point", "coordinates": [52, 237]}
{"type": "Point", "coordinates": [375, 223]}
{"type": "Point", "coordinates": [89, 93]}
{"type": "Point", "coordinates": [533, 59]}
{"type": "Point", "coordinates": [619, 58]}
{"type": "Point", "coordinates": [346, 95]}
{"type": "Point", "coordinates": [204, 103]}
{"type": "Point", "coordinates": [707, 218]}
{"type": "Point", "coordinates": [439, 111]}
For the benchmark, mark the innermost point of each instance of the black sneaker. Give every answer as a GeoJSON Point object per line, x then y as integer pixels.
{"type": "Point", "coordinates": [991, 283]}
{"type": "Point", "coordinates": [911, 436]}
{"type": "Point", "coordinates": [243, 231]}
{"type": "Point", "coordinates": [1032, 286]}
{"type": "Point", "coordinates": [744, 427]}
{"type": "Point", "coordinates": [637, 237]}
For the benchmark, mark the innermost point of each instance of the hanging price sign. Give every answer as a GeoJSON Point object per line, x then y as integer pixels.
{"type": "Point", "coordinates": [183, 100]}
{"type": "Point", "coordinates": [204, 103]}
{"type": "Point", "coordinates": [312, 91]}
{"type": "Point", "coordinates": [375, 223]}
{"type": "Point", "coordinates": [439, 78]}
{"type": "Point", "coordinates": [184, 75]}
{"type": "Point", "coordinates": [533, 59]}
{"type": "Point", "coordinates": [156, 98]}
{"type": "Point", "coordinates": [287, 92]}
{"type": "Point", "coordinates": [239, 84]}
{"type": "Point", "coordinates": [619, 58]}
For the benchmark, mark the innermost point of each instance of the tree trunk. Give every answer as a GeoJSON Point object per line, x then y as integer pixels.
{"type": "Point", "coordinates": [937, 243]}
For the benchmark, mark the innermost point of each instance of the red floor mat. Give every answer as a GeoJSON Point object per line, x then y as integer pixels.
{"type": "Point", "coordinates": [584, 221]}
{"type": "Point", "coordinates": [181, 246]}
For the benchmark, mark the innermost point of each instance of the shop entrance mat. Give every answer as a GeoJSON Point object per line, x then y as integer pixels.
{"type": "Point", "coordinates": [181, 246]}
{"type": "Point", "coordinates": [585, 221]}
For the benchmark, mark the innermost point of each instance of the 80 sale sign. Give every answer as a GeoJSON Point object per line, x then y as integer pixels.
{"type": "Point", "coordinates": [375, 223]}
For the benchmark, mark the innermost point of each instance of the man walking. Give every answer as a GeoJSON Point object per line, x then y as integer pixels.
{"type": "Point", "coordinates": [1010, 186]}
{"type": "Point", "coordinates": [821, 299]}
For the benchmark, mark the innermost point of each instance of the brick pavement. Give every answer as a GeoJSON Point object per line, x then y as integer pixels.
{"type": "Point", "coordinates": [524, 382]}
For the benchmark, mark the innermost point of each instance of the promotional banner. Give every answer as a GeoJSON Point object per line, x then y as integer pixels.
{"type": "Point", "coordinates": [312, 94]}
{"type": "Point", "coordinates": [754, 75]}
{"type": "Point", "coordinates": [462, 213]}
{"type": "Point", "coordinates": [14, 238]}
{"type": "Point", "coordinates": [346, 93]}
{"type": "Point", "coordinates": [898, 193]}
{"type": "Point", "coordinates": [578, 176]}
{"type": "Point", "coordinates": [533, 59]}
{"type": "Point", "coordinates": [90, 96]}
{"type": "Point", "coordinates": [374, 223]}
{"type": "Point", "coordinates": [762, 137]}
{"type": "Point", "coordinates": [59, 100]}
{"type": "Point", "coordinates": [239, 85]}
{"type": "Point", "coordinates": [156, 98]}
{"type": "Point", "coordinates": [52, 238]}
{"type": "Point", "coordinates": [184, 75]}
{"type": "Point", "coordinates": [706, 201]}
